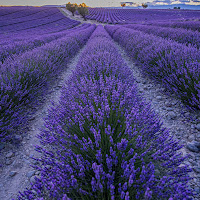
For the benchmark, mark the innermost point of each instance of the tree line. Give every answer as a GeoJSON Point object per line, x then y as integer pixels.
{"type": "Point", "coordinates": [81, 8]}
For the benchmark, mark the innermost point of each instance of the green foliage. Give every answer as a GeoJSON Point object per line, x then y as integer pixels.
{"type": "Point", "coordinates": [83, 10]}
{"type": "Point", "coordinates": [144, 5]}
{"type": "Point", "coordinates": [72, 7]}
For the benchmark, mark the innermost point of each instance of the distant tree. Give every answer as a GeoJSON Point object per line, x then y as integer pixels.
{"type": "Point", "coordinates": [123, 5]}
{"type": "Point", "coordinates": [179, 8]}
{"type": "Point", "coordinates": [83, 4]}
{"type": "Point", "coordinates": [72, 7]}
{"type": "Point", "coordinates": [175, 7]}
{"type": "Point", "coordinates": [144, 5]}
{"type": "Point", "coordinates": [83, 10]}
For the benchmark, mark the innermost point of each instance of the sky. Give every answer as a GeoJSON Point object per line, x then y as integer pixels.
{"type": "Point", "coordinates": [97, 3]}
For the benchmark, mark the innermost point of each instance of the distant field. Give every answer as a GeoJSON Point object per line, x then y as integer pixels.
{"type": "Point", "coordinates": [19, 23]}
{"type": "Point", "coordinates": [124, 16]}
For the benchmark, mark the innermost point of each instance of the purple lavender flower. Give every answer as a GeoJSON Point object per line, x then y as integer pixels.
{"type": "Point", "coordinates": [174, 65]}
{"type": "Point", "coordinates": [28, 76]}
{"type": "Point", "coordinates": [123, 168]}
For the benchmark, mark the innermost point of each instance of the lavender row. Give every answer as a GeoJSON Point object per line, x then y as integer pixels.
{"type": "Point", "coordinates": [103, 141]}
{"type": "Point", "coordinates": [54, 19]}
{"type": "Point", "coordinates": [44, 28]}
{"type": "Point", "coordinates": [29, 76]}
{"type": "Point", "coordinates": [32, 24]}
{"type": "Point", "coordinates": [190, 25]}
{"type": "Point", "coordinates": [32, 35]}
{"type": "Point", "coordinates": [29, 16]}
{"type": "Point", "coordinates": [9, 13]}
{"type": "Point", "coordinates": [174, 65]}
{"type": "Point", "coordinates": [126, 16]}
{"type": "Point", "coordinates": [104, 15]}
{"type": "Point", "coordinates": [13, 49]}
{"type": "Point", "coordinates": [156, 15]}
{"type": "Point", "coordinates": [181, 35]}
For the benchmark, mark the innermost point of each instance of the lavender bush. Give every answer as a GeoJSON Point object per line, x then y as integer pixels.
{"type": "Point", "coordinates": [16, 48]}
{"type": "Point", "coordinates": [22, 46]}
{"type": "Point", "coordinates": [29, 76]}
{"type": "Point", "coordinates": [102, 141]}
{"type": "Point", "coordinates": [189, 24]}
{"type": "Point", "coordinates": [187, 37]}
{"type": "Point", "coordinates": [175, 65]}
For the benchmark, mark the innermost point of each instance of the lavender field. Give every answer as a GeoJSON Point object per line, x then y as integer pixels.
{"type": "Point", "coordinates": [102, 138]}
{"type": "Point", "coordinates": [134, 16]}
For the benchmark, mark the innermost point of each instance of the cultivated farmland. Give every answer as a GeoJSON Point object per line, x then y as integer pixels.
{"type": "Point", "coordinates": [99, 111]}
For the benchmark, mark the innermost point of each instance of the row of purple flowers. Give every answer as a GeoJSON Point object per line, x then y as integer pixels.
{"type": "Point", "coordinates": [37, 14]}
{"type": "Point", "coordinates": [29, 75]}
{"type": "Point", "coordinates": [32, 21]}
{"type": "Point", "coordinates": [187, 37]}
{"type": "Point", "coordinates": [189, 24]}
{"type": "Point", "coordinates": [174, 65]}
{"type": "Point", "coordinates": [13, 49]}
{"type": "Point", "coordinates": [104, 15]}
{"type": "Point", "coordinates": [103, 141]}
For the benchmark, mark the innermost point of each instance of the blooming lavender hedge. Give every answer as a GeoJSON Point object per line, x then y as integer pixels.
{"type": "Point", "coordinates": [187, 37]}
{"type": "Point", "coordinates": [189, 24]}
{"type": "Point", "coordinates": [102, 141]}
{"type": "Point", "coordinates": [29, 76]}
{"type": "Point", "coordinates": [175, 65]}
{"type": "Point", "coordinates": [104, 15]}
{"type": "Point", "coordinates": [22, 46]}
{"type": "Point", "coordinates": [129, 16]}
{"type": "Point", "coordinates": [39, 18]}
{"type": "Point", "coordinates": [16, 48]}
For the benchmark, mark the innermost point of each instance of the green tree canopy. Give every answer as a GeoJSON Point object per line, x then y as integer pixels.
{"type": "Point", "coordinates": [83, 10]}
{"type": "Point", "coordinates": [72, 7]}
{"type": "Point", "coordinates": [144, 5]}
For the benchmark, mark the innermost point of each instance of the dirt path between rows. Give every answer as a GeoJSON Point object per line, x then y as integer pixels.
{"type": "Point", "coordinates": [174, 117]}
{"type": "Point", "coordinates": [16, 172]}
